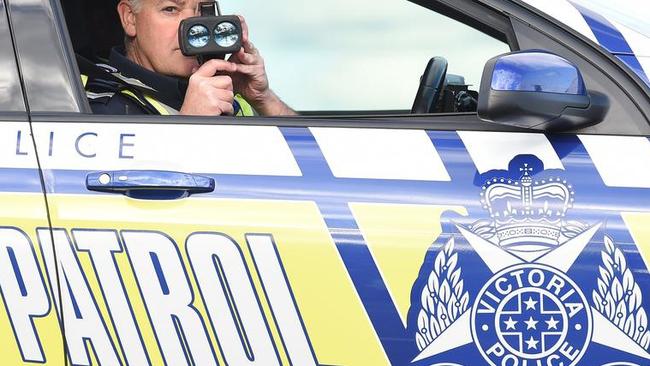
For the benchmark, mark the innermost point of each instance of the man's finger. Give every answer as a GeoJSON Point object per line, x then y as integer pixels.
{"type": "Point", "coordinates": [244, 28]}
{"type": "Point", "coordinates": [249, 69]}
{"type": "Point", "coordinates": [250, 48]}
{"type": "Point", "coordinates": [222, 82]}
{"type": "Point", "coordinates": [227, 108]}
{"type": "Point", "coordinates": [225, 95]}
{"type": "Point", "coordinates": [211, 67]}
{"type": "Point", "coordinates": [247, 58]}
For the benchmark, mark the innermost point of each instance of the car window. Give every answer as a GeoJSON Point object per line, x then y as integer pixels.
{"type": "Point", "coordinates": [11, 96]}
{"type": "Point", "coordinates": [358, 55]}
{"type": "Point", "coordinates": [363, 57]}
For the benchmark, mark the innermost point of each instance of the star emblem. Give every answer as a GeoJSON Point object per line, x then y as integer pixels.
{"type": "Point", "coordinates": [510, 324]}
{"type": "Point", "coordinates": [562, 259]}
{"type": "Point", "coordinates": [531, 343]}
{"type": "Point", "coordinates": [531, 323]}
{"type": "Point", "coordinates": [530, 303]}
{"type": "Point", "coordinates": [551, 323]}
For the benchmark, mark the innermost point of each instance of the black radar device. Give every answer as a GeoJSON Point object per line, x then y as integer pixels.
{"type": "Point", "coordinates": [210, 35]}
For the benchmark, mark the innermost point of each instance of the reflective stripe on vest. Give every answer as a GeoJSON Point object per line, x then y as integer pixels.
{"type": "Point", "coordinates": [245, 109]}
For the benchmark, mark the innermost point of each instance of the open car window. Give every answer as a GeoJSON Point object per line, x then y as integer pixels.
{"type": "Point", "coordinates": [331, 57]}
{"type": "Point", "coordinates": [362, 55]}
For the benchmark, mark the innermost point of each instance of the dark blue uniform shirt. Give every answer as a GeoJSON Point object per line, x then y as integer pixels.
{"type": "Point", "coordinates": [169, 90]}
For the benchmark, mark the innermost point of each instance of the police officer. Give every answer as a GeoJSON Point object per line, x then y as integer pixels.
{"type": "Point", "coordinates": [150, 75]}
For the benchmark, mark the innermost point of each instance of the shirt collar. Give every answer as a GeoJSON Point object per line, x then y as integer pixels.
{"type": "Point", "coordinates": [170, 90]}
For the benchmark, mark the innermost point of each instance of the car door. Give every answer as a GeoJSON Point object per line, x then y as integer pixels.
{"type": "Point", "coordinates": [342, 240]}
{"type": "Point", "coordinates": [29, 327]}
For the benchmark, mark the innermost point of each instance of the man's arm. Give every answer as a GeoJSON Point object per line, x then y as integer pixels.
{"type": "Point", "coordinates": [272, 105]}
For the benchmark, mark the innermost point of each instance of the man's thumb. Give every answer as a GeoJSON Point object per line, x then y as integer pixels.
{"type": "Point", "coordinates": [211, 67]}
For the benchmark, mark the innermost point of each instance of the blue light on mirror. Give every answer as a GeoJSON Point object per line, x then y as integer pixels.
{"type": "Point", "coordinates": [537, 71]}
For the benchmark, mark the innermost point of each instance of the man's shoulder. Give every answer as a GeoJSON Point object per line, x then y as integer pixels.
{"type": "Point", "coordinates": [110, 93]}
{"type": "Point", "coordinates": [114, 103]}
{"type": "Point", "coordinates": [110, 97]}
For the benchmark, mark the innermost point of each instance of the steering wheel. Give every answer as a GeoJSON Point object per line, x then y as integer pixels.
{"type": "Point", "coordinates": [432, 83]}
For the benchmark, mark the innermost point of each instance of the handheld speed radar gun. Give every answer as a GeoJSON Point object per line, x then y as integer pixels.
{"type": "Point", "coordinates": [210, 35]}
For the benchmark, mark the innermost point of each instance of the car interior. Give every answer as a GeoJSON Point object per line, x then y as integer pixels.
{"type": "Point", "coordinates": [94, 28]}
{"type": "Point", "coordinates": [93, 42]}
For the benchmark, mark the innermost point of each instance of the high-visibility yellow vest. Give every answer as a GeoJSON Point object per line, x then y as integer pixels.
{"type": "Point", "coordinates": [147, 100]}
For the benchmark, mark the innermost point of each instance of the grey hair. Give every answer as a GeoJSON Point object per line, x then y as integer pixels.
{"type": "Point", "coordinates": [136, 5]}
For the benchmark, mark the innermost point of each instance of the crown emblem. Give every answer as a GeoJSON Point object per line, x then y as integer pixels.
{"type": "Point", "coordinates": [527, 214]}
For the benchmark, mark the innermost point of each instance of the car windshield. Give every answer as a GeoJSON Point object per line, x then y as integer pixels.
{"type": "Point", "coordinates": [631, 13]}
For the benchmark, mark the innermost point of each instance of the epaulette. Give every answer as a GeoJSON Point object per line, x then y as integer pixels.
{"type": "Point", "coordinates": [103, 82]}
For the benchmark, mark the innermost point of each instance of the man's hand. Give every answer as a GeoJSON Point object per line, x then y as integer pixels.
{"type": "Point", "coordinates": [251, 81]}
{"type": "Point", "coordinates": [210, 95]}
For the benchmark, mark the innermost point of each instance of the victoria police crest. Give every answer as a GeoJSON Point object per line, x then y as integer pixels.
{"type": "Point", "coordinates": [511, 296]}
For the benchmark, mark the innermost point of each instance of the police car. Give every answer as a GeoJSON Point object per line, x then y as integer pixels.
{"type": "Point", "coordinates": [515, 231]}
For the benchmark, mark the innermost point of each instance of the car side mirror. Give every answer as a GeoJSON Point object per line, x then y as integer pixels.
{"type": "Point", "coordinates": [537, 90]}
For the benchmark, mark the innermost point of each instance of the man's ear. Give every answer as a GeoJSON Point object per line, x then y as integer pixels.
{"type": "Point", "coordinates": [127, 17]}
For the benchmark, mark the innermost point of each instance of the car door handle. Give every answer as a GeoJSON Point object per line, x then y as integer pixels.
{"type": "Point", "coordinates": [149, 184]}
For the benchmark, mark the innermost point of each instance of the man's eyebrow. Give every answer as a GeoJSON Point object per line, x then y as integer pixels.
{"type": "Point", "coordinates": [179, 2]}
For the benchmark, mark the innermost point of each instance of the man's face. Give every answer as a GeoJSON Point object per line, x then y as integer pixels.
{"type": "Point", "coordinates": [155, 43]}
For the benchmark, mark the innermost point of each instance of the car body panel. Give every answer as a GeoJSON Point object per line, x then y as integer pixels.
{"type": "Point", "coordinates": [335, 243]}
{"type": "Point", "coordinates": [320, 244]}
{"type": "Point", "coordinates": [28, 322]}
{"type": "Point", "coordinates": [27, 311]}
{"type": "Point", "coordinates": [628, 44]}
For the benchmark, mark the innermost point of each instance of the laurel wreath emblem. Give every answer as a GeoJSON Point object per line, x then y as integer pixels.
{"type": "Point", "coordinates": [619, 298]}
{"type": "Point", "coordinates": [443, 298]}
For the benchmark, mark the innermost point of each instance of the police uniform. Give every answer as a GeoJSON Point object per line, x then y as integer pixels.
{"type": "Point", "coordinates": [125, 88]}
